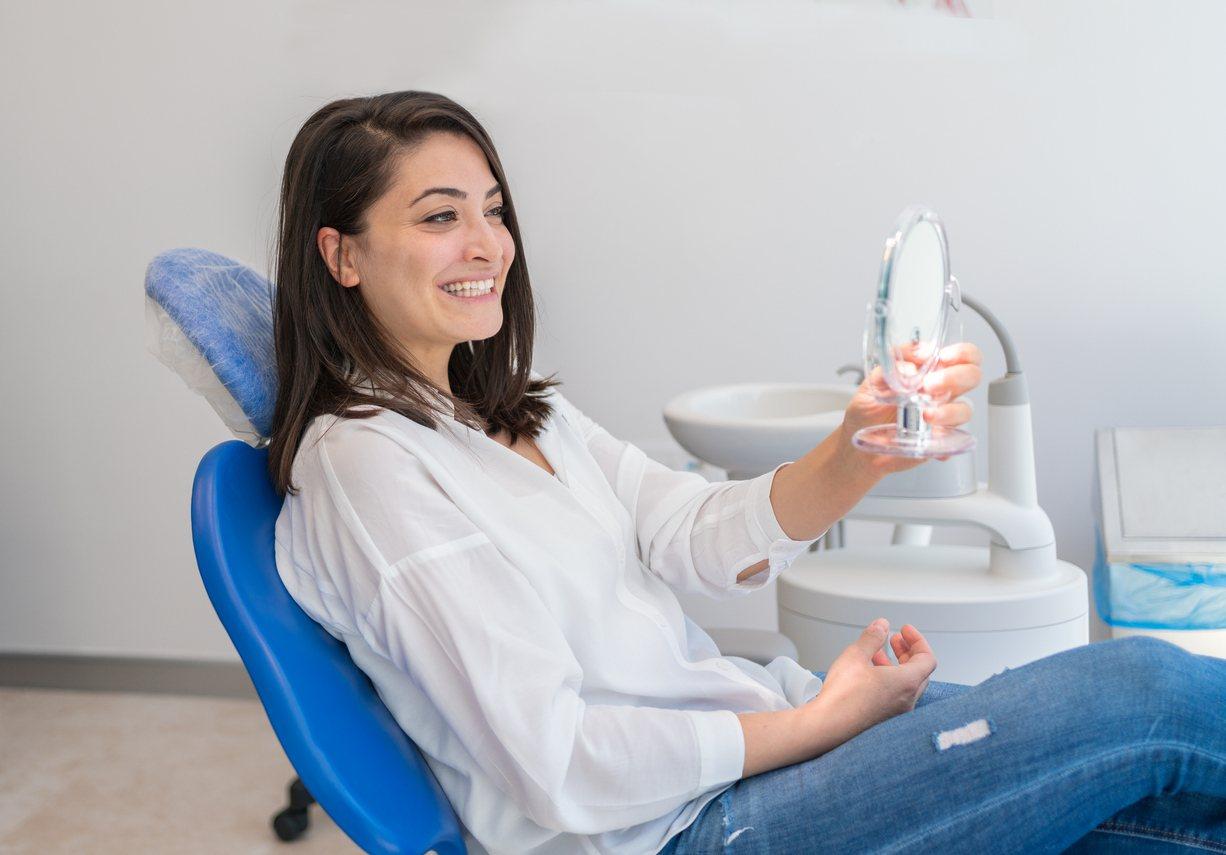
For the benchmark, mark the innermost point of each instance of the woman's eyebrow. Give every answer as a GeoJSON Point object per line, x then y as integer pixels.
{"type": "Point", "coordinates": [453, 193]}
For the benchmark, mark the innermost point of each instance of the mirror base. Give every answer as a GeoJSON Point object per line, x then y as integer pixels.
{"type": "Point", "coordinates": [937, 441]}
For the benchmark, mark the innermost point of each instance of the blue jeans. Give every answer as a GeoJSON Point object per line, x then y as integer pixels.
{"type": "Point", "coordinates": [1117, 746]}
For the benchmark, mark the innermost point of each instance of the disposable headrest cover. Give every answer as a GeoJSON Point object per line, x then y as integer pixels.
{"type": "Point", "coordinates": [224, 311]}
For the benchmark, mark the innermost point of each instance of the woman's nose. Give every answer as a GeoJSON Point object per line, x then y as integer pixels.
{"type": "Point", "coordinates": [483, 241]}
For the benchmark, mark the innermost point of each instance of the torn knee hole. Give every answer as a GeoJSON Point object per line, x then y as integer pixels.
{"type": "Point", "coordinates": [964, 735]}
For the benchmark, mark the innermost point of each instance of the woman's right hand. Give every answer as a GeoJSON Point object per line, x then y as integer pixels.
{"type": "Point", "coordinates": [862, 687]}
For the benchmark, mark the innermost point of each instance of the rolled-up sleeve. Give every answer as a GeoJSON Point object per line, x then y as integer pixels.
{"type": "Point", "coordinates": [696, 535]}
{"type": "Point", "coordinates": [476, 637]}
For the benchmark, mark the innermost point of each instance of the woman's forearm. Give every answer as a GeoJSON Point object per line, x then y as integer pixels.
{"type": "Point", "coordinates": [816, 491]}
{"type": "Point", "coordinates": [783, 737]}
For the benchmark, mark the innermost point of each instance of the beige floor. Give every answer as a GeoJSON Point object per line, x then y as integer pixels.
{"type": "Point", "coordinates": [125, 773]}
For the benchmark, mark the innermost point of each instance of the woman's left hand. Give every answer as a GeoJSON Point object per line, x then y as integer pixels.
{"type": "Point", "coordinates": [957, 372]}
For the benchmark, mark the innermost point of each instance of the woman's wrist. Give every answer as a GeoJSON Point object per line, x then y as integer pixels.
{"type": "Point", "coordinates": [827, 723]}
{"type": "Point", "coordinates": [852, 464]}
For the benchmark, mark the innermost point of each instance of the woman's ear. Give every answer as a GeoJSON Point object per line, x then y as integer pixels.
{"type": "Point", "coordinates": [337, 255]}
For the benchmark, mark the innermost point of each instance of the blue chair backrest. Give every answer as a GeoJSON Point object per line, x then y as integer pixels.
{"type": "Point", "coordinates": [342, 741]}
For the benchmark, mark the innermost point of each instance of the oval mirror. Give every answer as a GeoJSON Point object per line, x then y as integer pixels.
{"type": "Point", "coordinates": [904, 335]}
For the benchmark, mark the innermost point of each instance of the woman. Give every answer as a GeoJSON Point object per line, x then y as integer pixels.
{"type": "Point", "coordinates": [505, 572]}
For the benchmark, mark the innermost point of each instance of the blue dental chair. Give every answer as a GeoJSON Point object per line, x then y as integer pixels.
{"type": "Point", "coordinates": [210, 320]}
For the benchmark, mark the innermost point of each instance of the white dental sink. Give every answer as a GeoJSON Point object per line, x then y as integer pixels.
{"type": "Point", "coordinates": [750, 428]}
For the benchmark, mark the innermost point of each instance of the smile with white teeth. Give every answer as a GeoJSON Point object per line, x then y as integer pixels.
{"type": "Point", "coordinates": [470, 289]}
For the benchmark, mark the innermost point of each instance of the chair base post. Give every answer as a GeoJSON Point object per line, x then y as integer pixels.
{"type": "Point", "coordinates": [292, 822]}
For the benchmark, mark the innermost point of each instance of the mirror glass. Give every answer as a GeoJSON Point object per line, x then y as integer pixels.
{"type": "Point", "coordinates": [916, 297]}
{"type": "Point", "coordinates": [904, 335]}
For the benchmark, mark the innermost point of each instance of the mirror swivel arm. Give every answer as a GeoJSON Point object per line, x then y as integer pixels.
{"type": "Point", "coordinates": [1013, 365]}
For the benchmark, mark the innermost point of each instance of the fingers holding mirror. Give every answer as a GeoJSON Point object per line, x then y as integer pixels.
{"type": "Point", "coordinates": [945, 384]}
{"type": "Point", "coordinates": [953, 414]}
{"type": "Point", "coordinates": [962, 352]}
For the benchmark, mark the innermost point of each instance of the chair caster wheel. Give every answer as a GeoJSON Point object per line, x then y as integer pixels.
{"type": "Point", "coordinates": [290, 823]}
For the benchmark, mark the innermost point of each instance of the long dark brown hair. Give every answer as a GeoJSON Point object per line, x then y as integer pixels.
{"type": "Point", "coordinates": [341, 162]}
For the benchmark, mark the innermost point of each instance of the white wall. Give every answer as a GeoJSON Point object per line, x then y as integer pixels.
{"type": "Point", "coordinates": [712, 181]}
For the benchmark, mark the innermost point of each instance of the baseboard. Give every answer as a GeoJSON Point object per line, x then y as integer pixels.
{"type": "Point", "coordinates": [125, 674]}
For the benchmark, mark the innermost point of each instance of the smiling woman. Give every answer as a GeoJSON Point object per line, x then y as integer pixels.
{"type": "Point", "coordinates": [397, 242]}
{"type": "Point", "coordinates": [518, 612]}
{"type": "Point", "coordinates": [514, 603]}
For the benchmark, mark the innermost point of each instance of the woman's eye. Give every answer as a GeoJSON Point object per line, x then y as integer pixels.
{"type": "Point", "coordinates": [497, 211]}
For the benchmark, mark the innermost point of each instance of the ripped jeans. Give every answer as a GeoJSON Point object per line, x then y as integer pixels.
{"type": "Point", "coordinates": [1116, 746]}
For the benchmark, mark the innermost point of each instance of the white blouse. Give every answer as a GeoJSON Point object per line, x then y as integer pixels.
{"type": "Point", "coordinates": [523, 629]}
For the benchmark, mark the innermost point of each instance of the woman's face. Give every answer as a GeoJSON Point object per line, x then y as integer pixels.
{"type": "Point", "coordinates": [439, 223]}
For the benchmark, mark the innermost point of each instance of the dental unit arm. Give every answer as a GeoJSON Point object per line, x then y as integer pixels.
{"type": "Point", "coordinates": [1023, 541]}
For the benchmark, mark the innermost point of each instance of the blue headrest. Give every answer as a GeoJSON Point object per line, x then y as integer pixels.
{"type": "Point", "coordinates": [210, 320]}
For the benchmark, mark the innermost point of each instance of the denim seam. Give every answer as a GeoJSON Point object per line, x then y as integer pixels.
{"type": "Point", "coordinates": [1062, 773]}
{"type": "Point", "coordinates": [1132, 829]}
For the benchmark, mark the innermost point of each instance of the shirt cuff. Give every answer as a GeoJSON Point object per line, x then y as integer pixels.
{"type": "Point", "coordinates": [721, 747]}
{"type": "Point", "coordinates": [799, 684]}
{"type": "Point", "coordinates": [765, 531]}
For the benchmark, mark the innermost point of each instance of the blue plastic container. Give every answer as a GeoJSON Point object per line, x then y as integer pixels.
{"type": "Point", "coordinates": [1160, 506]}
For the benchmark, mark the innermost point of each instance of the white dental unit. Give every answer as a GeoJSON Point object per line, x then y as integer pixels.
{"type": "Point", "coordinates": [982, 608]}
